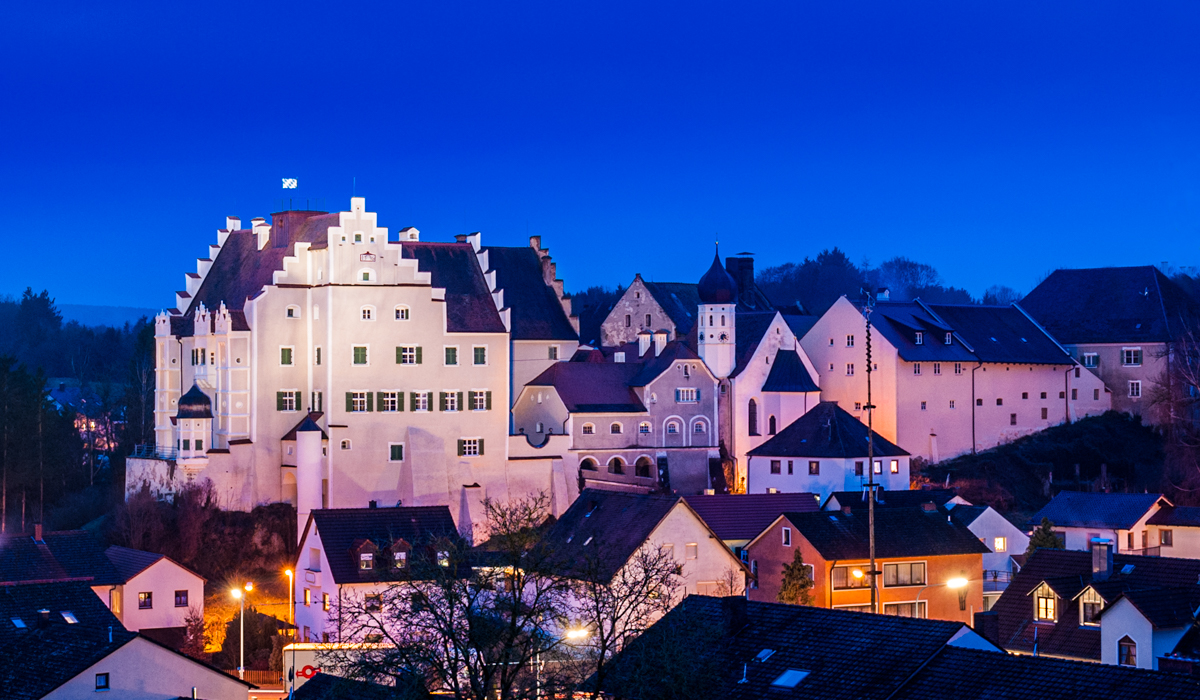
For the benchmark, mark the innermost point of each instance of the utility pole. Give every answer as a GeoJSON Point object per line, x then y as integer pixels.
{"type": "Point", "coordinates": [871, 485]}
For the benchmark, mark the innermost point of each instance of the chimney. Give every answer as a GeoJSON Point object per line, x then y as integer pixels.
{"type": "Point", "coordinates": [37, 533]}
{"type": "Point", "coordinates": [644, 338]}
{"type": "Point", "coordinates": [741, 268]}
{"type": "Point", "coordinates": [372, 504]}
{"type": "Point", "coordinates": [847, 510]}
{"type": "Point", "coordinates": [460, 238]}
{"type": "Point", "coordinates": [928, 507]}
{"type": "Point", "coordinates": [43, 618]}
{"type": "Point", "coordinates": [1102, 559]}
{"type": "Point", "coordinates": [618, 357]}
{"type": "Point", "coordinates": [883, 294]}
{"type": "Point", "coordinates": [710, 492]}
{"type": "Point", "coordinates": [660, 341]}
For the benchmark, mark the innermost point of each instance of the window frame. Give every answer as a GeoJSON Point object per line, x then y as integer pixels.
{"type": "Point", "coordinates": [185, 598]}
{"type": "Point", "coordinates": [287, 352]}
{"type": "Point", "coordinates": [392, 452]}
{"type": "Point", "coordinates": [145, 600]}
{"type": "Point", "coordinates": [587, 429]}
{"type": "Point", "coordinates": [470, 444]}
{"type": "Point", "coordinates": [354, 401]}
{"type": "Point", "coordinates": [786, 536]}
{"type": "Point", "coordinates": [1135, 388]}
{"type": "Point", "coordinates": [1087, 597]}
{"type": "Point", "coordinates": [475, 350]}
{"type": "Point", "coordinates": [1132, 356]}
{"type": "Point", "coordinates": [447, 350]}
{"type": "Point", "coordinates": [292, 312]}
{"type": "Point", "coordinates": [1127, 652]}
{"type": "Point", "coordinates": [366, 348]}
{"type": "Point", "coordinates": [895, 565]}
{"type": "Point", "coordinates": [402, 312]}
{"type": "Point", "coordinates": [366, 312]}
{"type": "Point", "coordinates": [103, 682]}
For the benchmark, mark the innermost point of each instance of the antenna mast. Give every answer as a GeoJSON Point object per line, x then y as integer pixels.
{"type": "Point", "coordinates": [871, 485]}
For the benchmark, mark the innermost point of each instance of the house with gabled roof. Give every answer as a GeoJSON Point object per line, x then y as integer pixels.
{"type": "Point", "coordinates": [919, 551]}
{"type": "Point", "coordinates": [1119, 323]}
{"type": "Point", "coordinates": [949, 379]}
{"type": "Point", "coordinates": [739, 518]}
{"type": "Point", "coordinates": [1080, 518]}
{"type": "Point", "coordinates": [1175, 530]}
{"type": "Point", "coordinates": [346, 554]}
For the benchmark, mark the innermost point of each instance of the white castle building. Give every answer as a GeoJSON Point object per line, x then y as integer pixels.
{"type": "Point", "coordinates": [402, 352]}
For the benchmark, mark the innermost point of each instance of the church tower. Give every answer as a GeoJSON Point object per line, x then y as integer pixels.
{"type": "Point", "coordinates": [716, 337]}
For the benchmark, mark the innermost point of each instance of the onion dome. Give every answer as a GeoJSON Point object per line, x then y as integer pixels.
{"type": "Point", "coordinates": [717, 286]}
{"type": "Point", "coordinates": [195, 404]}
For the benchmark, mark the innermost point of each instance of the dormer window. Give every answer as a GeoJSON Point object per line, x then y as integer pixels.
{"type": "Point", "coordinates": [400, 559]}
{"type": "Point", "coordinates": [949, 339]}
{"type": "Point", "coordinates": [920, 339]}
{"type": "Point", "coordinates": [1045, 604]}
{"type": "Point", "coordinates": [1090, 605]}
{"type": "Point", "coordinates": [366, 561]}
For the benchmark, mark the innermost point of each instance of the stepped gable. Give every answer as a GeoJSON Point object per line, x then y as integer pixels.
{"type": "Point", "coordinates": [537, 313]}
{"type": "Point", "coordinates": [455, 268]}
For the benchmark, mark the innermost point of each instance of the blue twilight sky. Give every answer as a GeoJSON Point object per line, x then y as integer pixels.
{"type": "Point", "coordinates": [994, 140]}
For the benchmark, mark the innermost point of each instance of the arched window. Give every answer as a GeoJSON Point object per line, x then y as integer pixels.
{"type": "Point", "coordinates": [1126, 652]}
{"type": "Point", "coordinates": [771, 425]}
{"type": "Point", "coordinates": [589, 429]}
{"type": "Point", "coordinates": [672, 428]}
{"type": "Point", "coordinates": [402, 313]}
{"type": "Point", "coordinates": [644, 428]}
{"type": "Point", "coordinates": [699, 428]}
{"type": "Point", "coordinates": [616, 466]}
{"type": "Point", "coordinates": [589, 464]}
{"type": "Point", "coordinates": [722, 319]}
{"type": "Point", "coordinates": [368, 313]}
{"type": "Point", "coordinates": [345, 444]}
{"type": "Point", "coordinates": [642, 467]}
{"type": "Point", "coordinates": [752, 417]}
{"type": "Point", "coordinates": [615, 428]}
{"type": "Point", "coordinates": [293, 311]}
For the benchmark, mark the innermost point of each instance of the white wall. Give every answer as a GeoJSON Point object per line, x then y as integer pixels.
{"type": "Point", "coordinates": [1185, 541]}
{"type": "Point", "coordinates": [1118, 621]}
{"type": "Point", "coordinates": [713, 561]}
{"type": "Point", "coordinates": [142, 670]}
{"type": "Point", "coordinates": [836, 474]}
{"type": "Point", "coordinates": [990, 525]}
{"type": "Point", "coordinates": [162, 578]}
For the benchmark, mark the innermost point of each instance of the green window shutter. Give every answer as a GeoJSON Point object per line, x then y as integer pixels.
{"type": "Point", "coordinates": [299, 403]}
{"type": "Point", "coordinates": [470, 400]}
{"type": "Point", "coordinates": [370, 401]}
{"type": "Point", "coordinates": [397, 453]}
{"type": "Point", "coordinates": [487, 397]}
{"type": "Point", "coordinates": [399, 400]}
{"type": "Point", "coordinates": [379, 399]}
{"type": "Point", "coordinates": [441, 400]}
{"type": "Point", "coordinates": [460, 402]}
{"type": "Point", "coordinates": [697, 394]}
{"type": "Point", "coordinates": [676, 396]}
{"type": "Point", "coordinates": [480, 447]}
{"type": "Point", "coordinates": [412, 397]}
{"type": "Point", "coordinates": [418, 354]}
{"type": "Point", "coordinates": [398, 353]}
{"type": "Point", "coordinates": [460, 448]}
{"type": "Point", "coordinates": [349, 402]}
{"type": "Point", "coordinates": [279, 401]}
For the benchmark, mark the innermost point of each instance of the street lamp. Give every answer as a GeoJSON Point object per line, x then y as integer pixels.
{"type": "Point", "coordinates": [577, 634]}
{"type": "Point", "coordinates": [241, 599]}
{"type": "Point", "coordinates": [957, 582]}
{"type": "Point", "coordinates": [292, 614]}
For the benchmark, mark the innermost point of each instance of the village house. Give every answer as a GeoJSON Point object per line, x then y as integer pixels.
{"type": "Point", "coordinates": [1080, 518]}
{"type": "Point", "coordinates": [1118, 322]}
{"type": "Point", "coordinates": [739, 518]}
{"type": "Point", "coordinates": [1175, 530]}
{"type": "Point", "coordinates": [1120, 609]}
{"type": "Point", "coordinates": [923, 557]}
{"type": "Point", "coordinates": [822, 452]}
{"type": "Point", "coordinates": [950, 379]}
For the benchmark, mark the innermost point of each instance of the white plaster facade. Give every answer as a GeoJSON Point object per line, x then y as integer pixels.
{"type": "Point", "coordinates": [832, 474]}
{"type": "Point", "coordinates": [143, 670]}
{"type": "Point", "coordinates": [165, 581]}
{"type": "Point", "coordinates": [1122, 619]}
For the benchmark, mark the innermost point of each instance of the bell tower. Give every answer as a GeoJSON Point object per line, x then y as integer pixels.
{"type": "Point", "coordinates": [716, 336]}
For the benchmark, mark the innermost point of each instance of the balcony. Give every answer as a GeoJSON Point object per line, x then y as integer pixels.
{"type": "Point", "coordinates": [1146, 552]}
{"type": "Point", "coordinates": [154, 452]}
{"type": "Point", "coordinates": [995, 581]}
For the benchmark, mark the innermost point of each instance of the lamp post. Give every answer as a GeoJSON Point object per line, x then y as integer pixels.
{"type": "Point", "coordinates": [241, 599]}
{"type": "Point", "coordinates": [957, 582]}
{"type": "Point", "coordinates": [868, 307]}
{"type": "Point", "coordinates": [292, 615]}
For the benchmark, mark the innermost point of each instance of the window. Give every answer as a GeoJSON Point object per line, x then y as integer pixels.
{"type": "Point", "coordinates": [1095, 394]}
{"type": "Point", "coordinates": [951, 403]}
{"type": "Point", "coordinates": [480, 354]}
{"type": "Point", "coordinates": [317, 355]}
{"type": "Point", "coordinates": [1045, 413]}
{"type": "Point", "coordinates": [616, 466]}
{"type": "Point", "coordinates": [360, 354]}
{"type": "Point", "coordinates": [401, 313]}
{"type": "Point", "coordinates": [358, 401]}
{"type": "Point", "coordinates": [842, 577]}
{"type": "Point", "coordinates": [894, 466]}
{"type": "Point", "coordinates": [366, 561]}
{"type": "Point", "coordinates": [691, 551]}
{"type": "Point", "coordinates": [687, 395]}
{"type": "Point", "coordinates": [1012, 419]}
{"type": "Point", "coordinates": [615, 428]}
{"type": "Point", "coordinates": [642, 467]}
{"type": "Point", "coordinates": [771, 425]}
{"type": "Point", "coordinates": [589, 429]}
{"type": "Point", "coordinates": [1024, 394]}
{"type": "Point", "coordinates": [672, 428]}
{"type": "Point", "coordinates": [389, 401]}
{"type": "Point", "coordinates": [1000, 544]}
{"type": "Point", "coordinates": [552, 353]}
{"type": "Point", "coordinates": [1135, 389]}
{"type": "Point", "coordinates": [628, 321]}
{"type": "Point", "coordinates": [999, 402]}
{"type": "Point", "coordinates": [1044, 605]}
{"type": "Point", "coordinates": [400, 559]}
{"type": "Point", "coordinates": [949, 339]}
{"type": "Point", "coordinates": [643, 428]}
{"type": "Point", "coordinates": [395, 452]}
{"type": "Point", "coordinates": [1074, 394]}
{"type": "Point", "coordinates": [102, 681]}
{"type": "Point", "coordinates": [285, 356]}
{"type": "Point", "coordinates": [145, 601]}
{"type": "Point", "coordinates": [916, 368]}
{"type": "Point", "coordinates": [373, 602]}
{"type": "Point", "coordinates": [480, 400]}
{"type": "Point", "coordinates": [451, 355]}
{"type": "Point", "coordinates": [1091, 360]}
{"type": "Point", "coordinates": [858, 405]}
{"type": "Point", "coordinates": [539, 427]}
{"type": "Point", "coordinates": [922, 405]}
{"type": "Point", "coordinates": [1132, 357]}
{"type": "Point", "coordinates": [345, 444]}
{"type": "Point", "coordinates": [699, 428]}
{"type": "Point", "coordinates": [814, 467]}
{"type": "Point", "coordinates": [878, 466]}
{"type": "Point", "coordinates": [849, 341]}
{"type": "Point", "coordinates": [776, 466]}
{"type": "Point", "coordinates": [287, 400]}
{"type": "Point", "coordinates": [937, 367]}
{"type": "Point", "coordinates": [470, 447]}
{"type": "Point", "coordinates": [904, 574]}
{"type": "Point", "coordinates": [916, 609]}
{"type": "Point", "coordinates": [920, 338]}
{"type": "Point", "coordinates": [368, 313]}
{"type": "Point", "coordinates": [648, 320]}
{"type": "Point", "coordinates": [752, 416]}
{"type": "Point", "coordinates": [181, 599]}
{"type": "Point", "coordinates": [1166, 538]}
{"type": "Point", "coordinates": [958, 368]}
{"type": "Point", "coordinates": [408, 355]}
{"type": "Point", "coordinates": [1043, 395]}
{"type": "Point", "coordinates": [1126, 652]}
{"type": "Point", "coordinates": [324, 599]}
{"type": "Point", "coordinates": [450, 400]}
{"type": "Point", "coordinates": [858, 468]}
{"type": "Point", "coordinates": [69, 617]}
{"type": "Point", "coordinates": [849, 369]}
{"type": "Point", "coordinates": [366, 274]}
{"type": "Point", "coordinates": [1090, 605]}
{"type": "Point", "coordinates": [787, 537]}
{"type": "Point", "coordinates": [419, 400]}
{"type": "Point", "coordinates": [790, 467]}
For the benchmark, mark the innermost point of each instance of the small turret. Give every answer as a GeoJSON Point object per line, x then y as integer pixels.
{"type": "Point", "coordinates": [716, 333]}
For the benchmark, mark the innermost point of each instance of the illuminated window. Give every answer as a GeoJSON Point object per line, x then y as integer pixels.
{"type": "Point", "coordinates": [1090, 605]}
{"type": "Point", "coordinates": [1126, 652]}
{"type": "Point", "coordinates": [1000, 544]}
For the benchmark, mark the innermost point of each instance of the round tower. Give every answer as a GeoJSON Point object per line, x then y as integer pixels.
{"type": "Point", "coordinates": [308, 471]}
{"type": "Point", "coordinates": [716, 337]}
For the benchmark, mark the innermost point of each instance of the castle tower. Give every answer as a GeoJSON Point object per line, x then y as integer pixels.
{"type": "Point", "coordinates": [716, 336]}
{"type": "Point", "coordinates": [194, 424]}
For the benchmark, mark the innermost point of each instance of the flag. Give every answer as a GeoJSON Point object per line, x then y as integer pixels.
{"type": "Point", "coordinates": [289, 183]}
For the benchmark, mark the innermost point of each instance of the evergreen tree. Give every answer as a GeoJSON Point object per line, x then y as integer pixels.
{"type": "Point", "coordinates": [796, 588]}
{"type": "Point", "coordinates": [1043, 538]}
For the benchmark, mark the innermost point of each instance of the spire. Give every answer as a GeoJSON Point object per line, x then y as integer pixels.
{"type": "Point", "coordinates": [717, 286]}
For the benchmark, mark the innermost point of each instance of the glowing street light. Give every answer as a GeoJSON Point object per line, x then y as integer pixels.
{"type": "Point", "coordinates": [958, 582]}
{"type": "Point", "coordinates": [291, 676]}
{"type": "Point", "coordinates": [577, 634]}
{"type": "Point", "coordinates": [241, 599]}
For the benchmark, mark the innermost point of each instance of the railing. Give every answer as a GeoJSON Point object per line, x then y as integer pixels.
{"type": "Point", "coordinates": [154, 452]}
{"type": "Point", "coordinates": [994, 580]}
{"type": "Point", "coordinates": [1147, 552]}
{"type": "Point", "coordinates": [260, 678]}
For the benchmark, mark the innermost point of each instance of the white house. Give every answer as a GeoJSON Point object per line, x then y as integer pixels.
{"type": "Point", "coordinates": [1175, 531]}
{"type": "Point", "coordinates": [1142, 626]}
{"type": "Point", "coordinates": [1003, 539]}
{"type": "Point", "coordinates": [1079, 518]}
{"type": "Point", "coordinates": [155, 592]}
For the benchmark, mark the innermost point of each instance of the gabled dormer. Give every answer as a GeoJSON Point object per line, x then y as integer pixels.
{"type": "Point", "coordinates": [400, 553]}
{"type": "Point", "coordinates": [364, 553]}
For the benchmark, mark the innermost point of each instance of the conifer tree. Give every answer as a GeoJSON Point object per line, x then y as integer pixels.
{"type": "Point", "coordinates": [796, 587]}
{"type": "Point", "coordinates": [1043, 537]}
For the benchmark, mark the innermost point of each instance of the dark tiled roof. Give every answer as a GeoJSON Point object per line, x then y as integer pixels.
{"type": "Point", "coordinates": [601, 530]}
{"type": "Point", "coordinates": [340, 528]}
{"type": "Point", "coordinates": [969, 674]}
{"type": "Point", "coordinates": [899, 532]}
{"type": "Point", "coordinates": [593, 387]}
{"type": "Point", "coordinates": [1068, 573]}
{"type": "Point", "coordinates": [537, 314]}
{"type": "Point", "coordinates": [751, 326]}
{"type": "Point", "coordinates": [744, 516]}
{"type": "Point", "coordinates": [314, 417]}
{"type": "Point", "coordinates": [1166, 608]}
{"type": "Point", "coordinates": [788, 374]}
{"type": "Point", "coordinates": [454, 267]}
{"type": "Point", "coordinates": [800, 324]}
{"type": "Point", "coordinates": [1002, 334]}
{"type": "Point", "coordinates": [194, 404]}
{"type": "Point", "coordinates": [326, 686]}
{"type": "Point", "coordinates": [68, 554]}
{"type": "Point", "coordinates": [1176, 516]}
{"type": "Point", "coordinates": [44, 658]}
{"type": "Point", "coordinates": [967, 514]}
{"type": "Point", "coordinates": [24, 600]}
{"type": "Point", "coordinates": [653, 366]}
{"type": "Point", "coordinates": [679, 301]}
{"type": "Point", "coordinates": [131, 562]}
{"type": "Point", "coordinates": [1118, 511]}
{"type": "Point", "coordinates": [848, 655]}
{"type": "Point", "coordinates": [1110, 305]}
{"type": "Point", "coordinates": [892, 499]}
{"type": "Point", "coordinates": [825, 431]}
